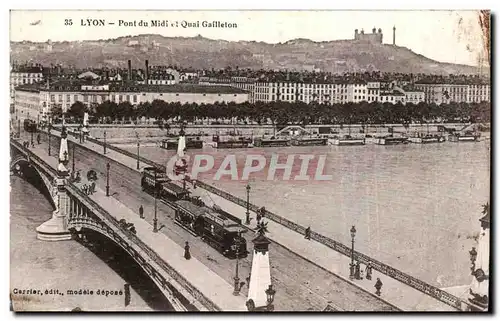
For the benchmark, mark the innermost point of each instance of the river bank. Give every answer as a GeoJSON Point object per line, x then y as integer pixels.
{"type": "Point", "coordinates": [117, 133]}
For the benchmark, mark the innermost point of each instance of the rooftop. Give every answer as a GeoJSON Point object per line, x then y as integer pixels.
{"type": "Point", "coordinates": [72, 86]}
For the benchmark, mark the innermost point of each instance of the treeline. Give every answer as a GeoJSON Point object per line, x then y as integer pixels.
{"type": "Point", "coordinates": [287, 113]}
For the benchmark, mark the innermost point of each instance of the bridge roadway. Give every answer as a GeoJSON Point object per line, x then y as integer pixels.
{"type": "Point", "coordinates": [302, 285]}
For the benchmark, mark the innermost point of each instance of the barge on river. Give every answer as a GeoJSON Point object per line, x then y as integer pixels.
{"type": "Point", "coordinates": [233, 142]}
{"type": "Point", "coordinates": [309, 141]}
{"type": "Point", "coordinates": [346, 141]}
{"type": "Point", "coordinates": [191, 143]}
{"type": "Point", "coordinates": [272, 142]}
{"type": "Point", "coordinates": [427, 139]}
{"type": "Point", "coordinates": [467, 137]}
{"type": "Point", "coordinates": [388, 140]}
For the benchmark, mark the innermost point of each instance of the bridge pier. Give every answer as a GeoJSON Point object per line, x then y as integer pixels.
{"type": "Point", "coordinates": [56, 229]}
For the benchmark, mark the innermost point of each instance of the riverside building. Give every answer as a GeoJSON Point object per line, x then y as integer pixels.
{"type": "Point", "coordinates": [36, 101]}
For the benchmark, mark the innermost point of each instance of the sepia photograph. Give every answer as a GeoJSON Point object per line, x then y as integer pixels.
{"type": "Point", "coordinates": [250, 161]}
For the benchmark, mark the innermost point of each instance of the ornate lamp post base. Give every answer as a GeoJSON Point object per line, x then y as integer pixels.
{"type": "Point", "coordinates": [155, 225]}
{"type": "Point", "coordinates": [236, 286]}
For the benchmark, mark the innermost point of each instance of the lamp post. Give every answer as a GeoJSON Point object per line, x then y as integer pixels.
{"type": "Point", "coordinates": [247, 221]}
{"type": "Point", "coordinates": [270, 292]}
{"type": "Point", "coordinates": [18, 128]}
{"type": "Point", "coordinates": [138, 154]}
{"type": "Point", "coordinates": [48, 134]}
{"type": "Point", "coordinates": [155, 219]}
{"type": "Point", "coordinates": [32, 143]}
{"type": "Point", "coordinates": [73, 159]}
{"type": "Point", "coordinates": [351, 270]}
{"type": "Point", "coordinates": [236, 248]}
{"type": "Point", "coordinates": [107, 179]}
{"type": "Point", "coordinates": [104, 142]}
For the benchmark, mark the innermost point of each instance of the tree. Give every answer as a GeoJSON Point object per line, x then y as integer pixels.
{"type": "Point", "coordinates": [56, 111]}
{"type": "Point", "coordinates": [77, 110]}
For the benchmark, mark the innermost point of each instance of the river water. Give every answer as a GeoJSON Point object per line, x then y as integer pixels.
{"type": "Point", "coordinates": [415, 207]}
{"type": "Point", "coordinates": [62, 266]}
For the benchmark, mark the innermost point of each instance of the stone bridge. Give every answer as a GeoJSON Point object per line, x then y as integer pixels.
{"type": "Point", "coordinates": [74, 213]}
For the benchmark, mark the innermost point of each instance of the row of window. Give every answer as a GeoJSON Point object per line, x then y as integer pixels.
{"type": "Point", "coordinates": [26, 75]}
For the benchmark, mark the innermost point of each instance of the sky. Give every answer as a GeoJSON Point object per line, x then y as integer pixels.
{"type": "Point", "coordinates": [446, 36]}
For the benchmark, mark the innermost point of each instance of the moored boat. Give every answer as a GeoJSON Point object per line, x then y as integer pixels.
{"type": "Point", "coordinates": [346, 141]}
{"type": "Point", "coordinates": [427, 139]}
{"type": "Point", "coordinates": [191, 143]}
{"type": "Point", "coordinates": [388, 140]}
{"type": "Point", "coordinates": [309, 141]}
{"type": "Point", "coordinates": [272, 142]}
{"type": "Point", "coordinates": [233, 142]}
{"type": "Point", "coordinates": [467, 137]}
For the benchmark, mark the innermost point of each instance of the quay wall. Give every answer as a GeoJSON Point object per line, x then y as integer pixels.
{"type": "Point", "coordinates": [129, 133]}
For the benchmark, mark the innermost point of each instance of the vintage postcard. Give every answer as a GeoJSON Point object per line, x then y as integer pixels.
{"type": "Point", "coordinates": [250, 161]}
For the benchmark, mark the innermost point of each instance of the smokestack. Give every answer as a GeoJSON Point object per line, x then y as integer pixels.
{"type": "Point", "coordinates": [130, 70]}
{"type": "Point", "coordinates": [147, 72]}
{"type": "Point", "coordinates": [394, 35]}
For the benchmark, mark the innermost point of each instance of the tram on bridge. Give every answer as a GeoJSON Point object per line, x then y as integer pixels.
{"type": "Point", "coordinates": [218, 228]}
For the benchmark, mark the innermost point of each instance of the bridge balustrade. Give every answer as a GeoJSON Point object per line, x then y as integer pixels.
{"type": "Point", "coordinates": [77, 195]}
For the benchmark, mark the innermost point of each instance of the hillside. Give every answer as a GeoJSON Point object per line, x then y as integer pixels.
{"type": "Point", "coordinates": [199, 52]}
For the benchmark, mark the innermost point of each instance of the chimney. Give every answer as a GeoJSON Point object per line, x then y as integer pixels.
{"type": "Point", "coordinates": [394, 35]}
{"type": "Point", "coordinates": [130, 69]}
{"type": "Point", "coordinates": [146, 80]}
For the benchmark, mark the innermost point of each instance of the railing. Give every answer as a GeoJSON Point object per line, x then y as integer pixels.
{"type": "Point", "coordinates": [72, 189]}
{"type": "Point", "coordinates": [150, 252]}
{"type": "Point", "coordinates": [402, 277]}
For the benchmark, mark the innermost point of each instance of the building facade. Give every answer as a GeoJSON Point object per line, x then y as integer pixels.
{"type": "Point", "coordinates": [440, 93]}
{"type": "Point", "coordinates": [23, 75]}
{"type": "Point", "coordinates": [36, 101]}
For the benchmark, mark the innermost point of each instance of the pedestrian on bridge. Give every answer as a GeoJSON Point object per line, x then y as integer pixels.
{"type": "Point", "coordinates": [378, 287]}
{"type": "Point", "coordinates": [357, 274]}
{"type": "Point", "coordinates": [368, 270]}
{"type": "Point", "coordinates": [307, 234]}
{"type": "Point", "coordinates": [38, 138]}
{"type": "Point", "coordinates": [141, 211]}
{"type": "Point", "coordinates": [187, 255]}
{"type": "Point", "coordinates": [92, 188]}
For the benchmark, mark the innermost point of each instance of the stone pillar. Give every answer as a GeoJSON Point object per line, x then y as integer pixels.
{"type": "Point", "coordinates": [56, 229]}
{"type": "Point", "coordinates": [260, 276]}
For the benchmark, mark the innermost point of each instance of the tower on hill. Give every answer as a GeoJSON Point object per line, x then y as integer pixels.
{"type": "Point", "coordinates": [374, 37]}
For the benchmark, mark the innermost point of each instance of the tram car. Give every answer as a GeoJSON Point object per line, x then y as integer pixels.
{"type": "Point", "coordinates": [152, 177]}
{"type": "Point", "coordinates": [30, 126]}
{"type": "Point", "coordinates": [219, 231]}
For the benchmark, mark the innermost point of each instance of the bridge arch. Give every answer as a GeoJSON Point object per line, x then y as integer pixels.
{"type": "Point", "coordinates": [21, 166]}
{"type": "Point", "coordinates": [79, 226]}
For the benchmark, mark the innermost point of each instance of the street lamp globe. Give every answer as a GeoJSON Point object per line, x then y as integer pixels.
{"type": "Point", "coordinates": [248, 187]}
{"type": "Point", "coordinates": [270, 292]}
{"type": "Point", "coordinates": [353, 231]}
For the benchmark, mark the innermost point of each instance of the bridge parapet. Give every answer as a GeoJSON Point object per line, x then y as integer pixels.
{"type": "Point", "coordinates": [85, 213]}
